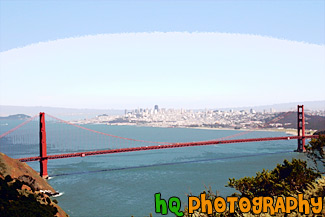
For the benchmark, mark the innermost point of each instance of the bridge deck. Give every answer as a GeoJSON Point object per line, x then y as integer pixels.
{"type": "Point", "coordinates": [174, 145]}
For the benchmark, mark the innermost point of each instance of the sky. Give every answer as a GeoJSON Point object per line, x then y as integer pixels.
{"type": "Point", "coordinates": [181, 54]}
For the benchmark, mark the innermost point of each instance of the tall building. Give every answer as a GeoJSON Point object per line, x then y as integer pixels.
{"type": "Point", "coordinates": [156, 107]}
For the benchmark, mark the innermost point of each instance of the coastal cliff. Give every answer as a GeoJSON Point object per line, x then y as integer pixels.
{"type": "Point", "coordinates": [23, 192]}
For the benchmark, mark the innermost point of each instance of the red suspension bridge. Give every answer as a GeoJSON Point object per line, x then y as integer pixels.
{"type": "Point", "coordinates": [116, 144]}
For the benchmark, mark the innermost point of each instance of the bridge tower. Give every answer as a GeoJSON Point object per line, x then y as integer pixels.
{"type": "Point", "coordinates": [301, 129]}
{"type": "Point", "coordinates": [42, 147]}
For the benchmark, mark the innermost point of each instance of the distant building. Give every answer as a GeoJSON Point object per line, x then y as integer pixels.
{"type": "Point", "coordinates": [156, 107]}
{"type": "Point", "coordinates": [252, 111]}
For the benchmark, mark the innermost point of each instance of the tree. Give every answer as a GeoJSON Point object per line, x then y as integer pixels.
{"type": "Point", "coordinates": [316, 153]}
{"type": "Point", "coordinates": [14, 203]}
{"type": "Point", "coordinates": [285, 179]}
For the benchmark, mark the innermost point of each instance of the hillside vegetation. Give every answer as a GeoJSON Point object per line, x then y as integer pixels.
{"type": "Point", "coordinates": [287, 179]}
{"type": "Point", "coordinates": [23, 192]}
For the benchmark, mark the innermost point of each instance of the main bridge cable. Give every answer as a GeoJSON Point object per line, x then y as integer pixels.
{"type": "Point", "coordinates": [106, 134]}
{"type": "Point", "coordinates": [257, 128]}
{"type": "Point", "coordinates": [19, 126]}
{"type": "Point", "coordinates": [249, 131]}
{"type": "Point", "coordinates": [169, 143]}
{"type": "Point", "coordinates": [165, 143]}
{"type": "Point", "coordinates": [168, 164]}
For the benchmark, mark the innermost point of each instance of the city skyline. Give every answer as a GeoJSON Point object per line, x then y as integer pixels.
{"type": "Point", "coordinates": [6, 110]}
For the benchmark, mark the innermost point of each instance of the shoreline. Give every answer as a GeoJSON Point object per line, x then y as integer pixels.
{"type": "Point", "coordinates": [290, 131]}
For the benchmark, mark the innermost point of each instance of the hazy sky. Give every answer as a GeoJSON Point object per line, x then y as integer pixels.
{"type": "Point", "coordinates": [190, 54]}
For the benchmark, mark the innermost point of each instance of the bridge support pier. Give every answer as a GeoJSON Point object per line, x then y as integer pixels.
{"type": "Point", "coordinates": [42, 147]}
{"type": "Point", "coordinates": [301, 129]}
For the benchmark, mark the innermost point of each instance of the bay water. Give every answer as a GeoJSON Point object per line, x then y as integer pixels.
{"type": "Point", "coordinates": [124, 184]}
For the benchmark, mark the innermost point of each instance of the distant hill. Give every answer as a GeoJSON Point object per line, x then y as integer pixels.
{"type": "Point", "coordinates": [309, 105]}
{"type": "Point", "coordinates": [314, 122]}
{"type": "Point", "coordinates": [6, 110]}
{"type": "Point", "coordinates": [15, 117]}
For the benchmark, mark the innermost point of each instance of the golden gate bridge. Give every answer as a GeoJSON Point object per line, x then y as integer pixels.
{"type": "Point", "coordinates": [117, 144]}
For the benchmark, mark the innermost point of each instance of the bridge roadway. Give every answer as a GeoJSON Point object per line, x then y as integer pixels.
{"type": "Point", "coordinates": [172, 145]}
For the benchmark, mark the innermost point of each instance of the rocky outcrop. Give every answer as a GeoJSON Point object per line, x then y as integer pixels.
{"type": "Point", "coordinates": [23, 172]}
{"type": "Point", "coordinates": [25, 184]}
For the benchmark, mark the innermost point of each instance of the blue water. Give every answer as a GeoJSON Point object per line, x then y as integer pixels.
{"type": "Point", "coordinates": [124, 184]}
